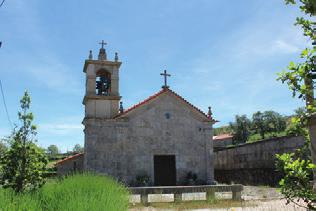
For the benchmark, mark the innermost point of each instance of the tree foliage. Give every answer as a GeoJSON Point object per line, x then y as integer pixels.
{"type": "Point", "coordinates": [258, 124]}
{"type": "Point", "coordinates": [78, 148]}
{"type": "Point", "coordinates": [24, 163]}
{"type": "Point", "coordinates": [52, 150]}
{"type": "Point", "coordinates": [298, 76]}
{"type": "Point", "coordinates": [268, 122]}
{"type": "Point", "coordinates": [274, 121]}
{"type": "Point", "coordinates": [3, 148]}
{"type": "Point", "coordinates": [298, 124]}
{"type": "Point", "coordinates": [223, 130]}
{"type": "Point", "coordinates": [297, 168]}
{"type": "Point", "coordinates": [261, 123]}
{"type": "Point", "coordinates": [241, 128]}
{"type": "Point", "coordinates": [295, 184]}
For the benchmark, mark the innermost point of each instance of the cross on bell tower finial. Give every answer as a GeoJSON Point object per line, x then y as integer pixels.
{"type": "Point", "coordinates": [165, 74]}
{"type": "Point", "coordinates": [102, 43]}
{"type": "Point", "coordinates": [102, 52]}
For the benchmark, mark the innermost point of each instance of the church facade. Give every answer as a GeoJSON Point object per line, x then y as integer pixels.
{"type": "Point", "coordinates": [164, 137]}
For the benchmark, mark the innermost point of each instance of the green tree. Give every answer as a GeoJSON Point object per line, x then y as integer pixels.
{"type": "Point", "coordinates": [298, 77]}
{"type": "Point", "coordinates": [24, 163]}
{"type": "Point", "coordinates": [298, 124]}
{"type": "Point", "coordinates": [295, 185]}
{"type": "Point", "coordinates": [3, 148]}
{"type": "Point", "coordinates": [241, 129]}
{"type": "Point", "coordinates": [300, 112]}
{"type": "Point", "coordinates": [274, 122]}
{"type": "Point", "coordinates": [222, 130]}
{"type": "Point", "coordinates": [52, 150]}
{"type": "Point", "coordinates": [78, 148]}
{"type": "Point", "coordinates": [297, 169]}
{"type": "Point", "coordinates": [258, 124]}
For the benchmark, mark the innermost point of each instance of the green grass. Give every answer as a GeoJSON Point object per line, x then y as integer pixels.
{"type": "Point", "coordinates": [257, 137]}
{"type": "Point", "coordinates": [77, 192]}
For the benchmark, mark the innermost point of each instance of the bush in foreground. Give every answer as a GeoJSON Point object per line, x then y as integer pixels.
{"type": "Point", "coordinates": [78, 192]}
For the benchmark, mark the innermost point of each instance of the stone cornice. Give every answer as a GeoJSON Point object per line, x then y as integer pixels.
{"type": "Point", "coordinates": [100, 62]}
{"type": "Point", "coordinates": [100, 97]}
{"type": "Point", "coordinates": [87, 120]}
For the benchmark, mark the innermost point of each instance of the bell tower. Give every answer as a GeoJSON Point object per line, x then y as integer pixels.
{"type": "Point", "coordinates": [102, 96]}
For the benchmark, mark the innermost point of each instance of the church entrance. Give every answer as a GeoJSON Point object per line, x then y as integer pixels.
{"type": "Point", "coordinates": [165, 170]}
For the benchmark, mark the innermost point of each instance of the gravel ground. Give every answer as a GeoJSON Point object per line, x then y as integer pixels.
{"type": "Point", "coordinates": [260, 192]}
{"type": "Point", "coordinates": [271, 205]}
{"type": "Point", "coordinates": [254, 198]}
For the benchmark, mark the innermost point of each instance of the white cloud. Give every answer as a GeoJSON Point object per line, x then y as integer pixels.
{"type": "Point", "coordinates": [285, 47]}
{"type": "Point", "coordinates": [61, 126]}
{"type": "Point", "coordinates": [36, 58]}
{"type": "Point", "coordinates": [66, 126]}
{"type": "Point", "coordinates": [54, 75]}
{"type": "Point", "coordinates": [64, 132]}
{"type": "Point", "coordinates": [55, 129]}
{"type": "Point", "coordinates": [237, 74]}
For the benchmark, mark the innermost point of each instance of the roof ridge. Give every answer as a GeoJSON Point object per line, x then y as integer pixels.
{"type": "Point", "coordinates": [182, 98]}
{"type": "Point", "coordinates": [142, 102]}
{"type": "Point", "coordinates": [165, 89]}
{"type": "Point", "coordinates": [69, 158]}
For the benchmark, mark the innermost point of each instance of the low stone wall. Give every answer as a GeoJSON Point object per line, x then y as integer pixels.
{"type": "Point", "coordinates": [210, 191]}
{"type": "Point", "coordinates": [253, 163]}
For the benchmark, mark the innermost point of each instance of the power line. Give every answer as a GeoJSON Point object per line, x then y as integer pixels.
{"type": "Point", "coordinates": [1, 6]}
{"type": "Point", "coordinates": [5, 105]}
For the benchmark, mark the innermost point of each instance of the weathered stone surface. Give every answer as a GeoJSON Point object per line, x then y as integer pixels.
{"type": "Point", "coordinates": [125, 147]}
{"type": "Point", "coordinates": [180, 191]}
{"type": "Point", "coordinates": [312, 135]}
{"type": "Point", "coordinates": [70, 164]}
{"type": "Point", "coordinates": [123, 144]}
{"type": "Point", "coordinates": [253, 163]}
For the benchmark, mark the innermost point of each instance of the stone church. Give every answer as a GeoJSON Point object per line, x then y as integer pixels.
{"type": "Point", "coordinates": [164, 137]}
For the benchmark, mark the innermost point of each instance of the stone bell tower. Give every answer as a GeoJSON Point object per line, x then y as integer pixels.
{"type": "Point", "coordinates": [102, 96]}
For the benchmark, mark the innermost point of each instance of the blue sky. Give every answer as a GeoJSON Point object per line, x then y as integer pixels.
{"type": "Point", "coordinates": [221, 53]}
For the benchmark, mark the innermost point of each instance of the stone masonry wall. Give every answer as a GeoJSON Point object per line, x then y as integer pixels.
{"type": "Point", "coordinates": [253, 163]}
{"type": "Point", "coordinates": [71, 165]}
{"type": "Point", "coordinates": [125, 148]}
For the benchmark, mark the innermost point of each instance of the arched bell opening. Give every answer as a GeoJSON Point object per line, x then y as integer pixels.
{"type": "Point", "coordinates": [103, 83]}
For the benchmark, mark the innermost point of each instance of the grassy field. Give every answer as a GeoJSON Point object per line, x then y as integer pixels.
{"type": "Point", "coordinates": [77, 192]}
{"type": "Point", "coordinates": [257, 137]}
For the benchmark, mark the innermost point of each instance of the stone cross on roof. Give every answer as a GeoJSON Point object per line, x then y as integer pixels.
{"type": "Point", "coordinates": [165, 74]}
{"type": "Point", "coordinates": [102, 52]}
{"type": "Point", "coordinates": [102, 43]}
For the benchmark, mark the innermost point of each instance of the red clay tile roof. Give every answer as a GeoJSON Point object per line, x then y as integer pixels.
{"type": "Point", "coordinates": [69, 158]}
{"type": "Point", "coordinates": [142, 103]}
{"type": "Point", "coordinates": [158, 94]}
{"type": "Point", "coordinates": [222, 137]}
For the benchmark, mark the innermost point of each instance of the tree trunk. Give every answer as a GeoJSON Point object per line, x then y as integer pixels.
{"type": "Point", "coordinates": [312, 135]}
{"type": "Point", "coordinates": [311, 122]}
